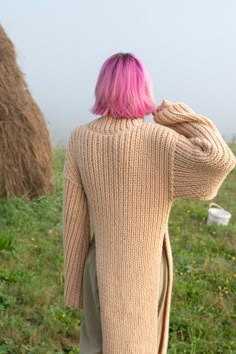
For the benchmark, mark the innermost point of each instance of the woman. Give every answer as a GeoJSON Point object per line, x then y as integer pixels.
{"type": "Point", "coordinates": [125, 173]}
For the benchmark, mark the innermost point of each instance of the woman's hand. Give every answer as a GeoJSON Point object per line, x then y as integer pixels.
{"type": "Point", "coordinates": [163, 105]}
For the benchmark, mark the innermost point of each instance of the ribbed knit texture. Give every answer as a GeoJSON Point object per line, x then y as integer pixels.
{"type": "Point", "coordinates": [125, 174]}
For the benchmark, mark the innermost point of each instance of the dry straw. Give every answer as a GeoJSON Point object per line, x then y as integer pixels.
{"type": "Point", "coordinates": [25, 148]}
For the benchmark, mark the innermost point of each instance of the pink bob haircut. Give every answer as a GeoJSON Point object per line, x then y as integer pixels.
{"type": "Point", "coordinates": [123, 88]}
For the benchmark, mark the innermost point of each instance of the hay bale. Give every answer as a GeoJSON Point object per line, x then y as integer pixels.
{"type": "Point", "coordinates": [25, 148]}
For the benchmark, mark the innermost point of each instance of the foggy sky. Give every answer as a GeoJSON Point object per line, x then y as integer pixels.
{"type": "Point", "coordinates": [188, 47]}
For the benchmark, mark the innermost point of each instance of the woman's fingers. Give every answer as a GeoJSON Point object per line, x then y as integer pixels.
{"type": "Point", "coordinates": [163, 105]}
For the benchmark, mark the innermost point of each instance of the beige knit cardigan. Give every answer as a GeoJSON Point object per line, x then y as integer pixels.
{"type": "Point", "coordinates": [125, 174]}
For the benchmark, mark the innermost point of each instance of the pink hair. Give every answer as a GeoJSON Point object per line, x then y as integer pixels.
{"type": "Point", "coordinates": [123, 88]}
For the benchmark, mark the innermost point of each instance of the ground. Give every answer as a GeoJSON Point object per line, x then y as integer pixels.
{"type": "Point", "coordinates": [33, 316]}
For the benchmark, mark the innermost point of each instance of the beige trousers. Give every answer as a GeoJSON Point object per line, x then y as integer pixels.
{"type": "Point", "coordinates": [90, 341]}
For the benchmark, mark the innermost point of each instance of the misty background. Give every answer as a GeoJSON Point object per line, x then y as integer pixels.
{"type": "Point", "coordinates": [188, 47]}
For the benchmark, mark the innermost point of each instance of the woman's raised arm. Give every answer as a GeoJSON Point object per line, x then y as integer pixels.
{"type": "Point", "coordinates": [202, 159]}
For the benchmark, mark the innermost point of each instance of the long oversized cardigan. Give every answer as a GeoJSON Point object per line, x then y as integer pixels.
{"type": "Point", "coordinates": [125, 174]}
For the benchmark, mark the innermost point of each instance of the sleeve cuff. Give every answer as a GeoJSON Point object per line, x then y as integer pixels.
{"type": "Point", "coordinates": [181, 113]}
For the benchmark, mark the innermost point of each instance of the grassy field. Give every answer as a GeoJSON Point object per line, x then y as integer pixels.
{"type": "Point", "coordinates": [33, 318]}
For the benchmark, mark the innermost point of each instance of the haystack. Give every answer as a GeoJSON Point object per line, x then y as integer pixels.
{"type": "Point", "coordinates": [25, 148]}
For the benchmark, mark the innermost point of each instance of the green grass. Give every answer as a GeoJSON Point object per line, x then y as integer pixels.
{"type": "Point", "coordinates": [33, 318]}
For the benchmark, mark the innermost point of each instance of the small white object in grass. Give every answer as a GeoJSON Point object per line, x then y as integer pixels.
{"type": "Point", "coordinates": [218, 215]}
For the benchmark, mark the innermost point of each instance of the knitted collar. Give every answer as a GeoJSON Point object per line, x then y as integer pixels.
{"type": "Point", "coordinates": [109, 124]}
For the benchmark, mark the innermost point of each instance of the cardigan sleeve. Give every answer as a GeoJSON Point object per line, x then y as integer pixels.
{"type": "Point", "coordinates": [201, 159]}
{"type": "Point", "coordinates": [76, 229]}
